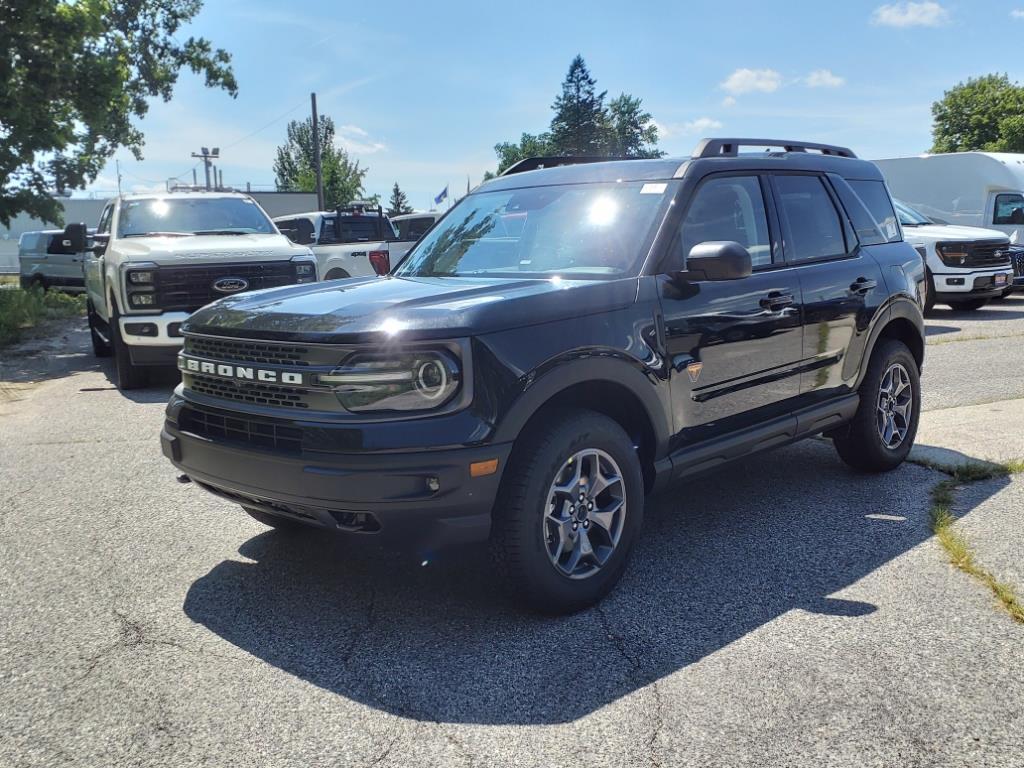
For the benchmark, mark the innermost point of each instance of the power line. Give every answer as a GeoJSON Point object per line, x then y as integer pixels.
{"type": "Point", "coordinates": [264, 127]}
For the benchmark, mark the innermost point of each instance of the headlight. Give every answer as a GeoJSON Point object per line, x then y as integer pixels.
{"type": "Point", "coordinates": [140, 282]}
{"type": "Point", "coordinates": [408, 381]}
{"type": "Point", "coordinates": [305, 269]}
{"type": "Point", "coordinates": [951, 254]}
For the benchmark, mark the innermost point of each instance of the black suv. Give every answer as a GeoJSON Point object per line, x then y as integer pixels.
{"type": "Point", "coordinates": [569, 338]}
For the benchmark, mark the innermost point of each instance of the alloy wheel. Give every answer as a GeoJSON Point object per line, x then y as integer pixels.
{"type": "Point", "coordinates": [895, 406]}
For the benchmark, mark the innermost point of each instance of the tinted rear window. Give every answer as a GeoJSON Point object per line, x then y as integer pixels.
{"type": "Point", "coordinates": [813, 227]}
{"type": "Point", "coordinates": [357, 229]}
{"type": "Point", "coordinates": [876, 199]}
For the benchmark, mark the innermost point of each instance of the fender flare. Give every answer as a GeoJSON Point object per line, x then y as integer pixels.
{"type": "Point", "coordinates": [900, 308]}
{"type": "Point", "coordinates": [561, 375]}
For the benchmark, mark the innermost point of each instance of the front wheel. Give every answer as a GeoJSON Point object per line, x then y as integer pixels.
{"type": "Point", "coordinates": [129, 375]}
{"type": "Point", "coordinates": [929, 291]}
{"type": "Point", "coordinates": [882, 431]}
{"type": "Point", "coordinates": [568, 513]}
{"type": "Point", "coordinates": [100, 348]}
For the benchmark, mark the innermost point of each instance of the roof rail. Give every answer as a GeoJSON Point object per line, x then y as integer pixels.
{"type": "Point", "coordinates": [730, 147]}
{"type": "Point", "coordinates": [534, 163]}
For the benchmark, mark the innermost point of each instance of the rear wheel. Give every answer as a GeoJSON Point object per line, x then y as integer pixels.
{"type": "Point", "coordinates": [100, 348]}
{"type": "Point", "coordinates": [337, 274]}
{"type": "Point", "coordinates": [568, 512]}
{"type": "Point", "coordinates": [882, 431]}
{"type": "Point", "coordinates": [968, 306]}
{"type": "Point", "coordinates": [280, 523]}
{"type": "Point", "coordinates": [129, 375]}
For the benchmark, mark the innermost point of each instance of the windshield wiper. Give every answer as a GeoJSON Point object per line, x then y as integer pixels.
{"type": "Point", "coordinates": [221, 232]}
{"type": "Point", "coordinates": [158, 234]}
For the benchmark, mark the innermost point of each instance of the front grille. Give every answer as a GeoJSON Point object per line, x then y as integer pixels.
{"type": "Point", "coordinates": [249, 391]}
{"type": "Point", "coordinates": [186, 289]}
{"type": "Point", "coordinates": [1017, 259]}
{"type": "Point", "coordinates": [230, 428]}
{"type": "Point", "coordinates": [246, 351]}
{"type": "Point", "coordinates": [984, 253]}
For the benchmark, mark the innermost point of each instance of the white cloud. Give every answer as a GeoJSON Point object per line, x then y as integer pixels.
{"type": "Point", "coordinates": [823, 78]}
{"type": "Point", "coordinates": [354, 139]}
{"type": "Point", "coordinates": [1017, 13]}
{"type": "Point", "coordinates": [751, 80]}
{"type": "Point", "coordinates": [925, 14]}
{"type": "Point", "coordinates": [700, 125]}
{"type": "Point", "coordinates": [729, 101]}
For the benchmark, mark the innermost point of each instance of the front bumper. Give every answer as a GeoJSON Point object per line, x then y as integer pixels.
{"type": "Point", "coordinates": [153, 339]}
{"type": "Point", "coordinates": [389, 495]}
{"type": "Point", "coordinates": [972, 285]}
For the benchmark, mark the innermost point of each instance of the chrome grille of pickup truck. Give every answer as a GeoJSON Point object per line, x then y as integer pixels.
{"type": "Point", "coordinates": [188, 288]}
{"type": "Point", "coordinates": [1017, 259]}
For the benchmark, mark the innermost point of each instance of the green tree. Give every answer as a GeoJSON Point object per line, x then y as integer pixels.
{"type": "Point", "coordinates": [295, 171]}
{"type": "Point", "coordinates": [529, 146]}
{"type": "Point", "coordinates": [399, 203]}
{"type": "Point", "coordinates": [73, 75]}
{"type": "Point", "coordinates": [984, 113]}
{"type": "Point", "coordinates": [632, 131]}
{"type": "Point", "coordinates": [581, 124]}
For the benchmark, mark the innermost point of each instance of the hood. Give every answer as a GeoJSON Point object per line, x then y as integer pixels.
{"type": "Point", "coordinates": [950, 232]}
{"type": "Point", "coordinates": [358, 309]}
{"type": "Point", "coordinates": [203, 249]}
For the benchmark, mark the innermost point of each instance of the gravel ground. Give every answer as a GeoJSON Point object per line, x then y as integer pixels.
{"type": "Point", "coordinates": [769, 617]}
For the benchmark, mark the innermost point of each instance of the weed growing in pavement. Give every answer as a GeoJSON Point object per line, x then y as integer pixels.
{"type": "Point", "coordinates": [957, 547]}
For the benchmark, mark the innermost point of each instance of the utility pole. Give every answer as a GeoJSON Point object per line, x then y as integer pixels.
{"type": "Point", "coordinates": [206, 156]}
{"type": "Point", "coordinates": [118, 164]}
{"type": "Point", "coordinates": [316, 156]}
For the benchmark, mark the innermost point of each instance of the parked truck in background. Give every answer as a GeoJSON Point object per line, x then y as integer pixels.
{"type": "Point", "coordinates": [155, 259]}
{"type": "Point", "coordinates": [973, 189]}
{"type": "Point", "coordinates": [356, 240]}
{"type": "Point", "coordinates": [44, 263]}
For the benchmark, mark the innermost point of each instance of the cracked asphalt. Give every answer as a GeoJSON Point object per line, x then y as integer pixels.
{"type": "Point", "coordinates": [769, 616]}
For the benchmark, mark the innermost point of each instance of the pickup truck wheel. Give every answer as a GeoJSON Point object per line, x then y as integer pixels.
{"type": "Point", "coordinates": [929, 291]}
{"type": "Point", "coordinates": [129, 376]}
{"type": "Point", "coordinates": [882, 431]}
{"type": "Point", "coordinates": [100, 348]}
{"type": "Point", "coordinates": [568, 512]}
{"type": "Point", "coordinates": [337, 274]}
{"type": "Point", "coordinates": [280, 523]}
{"type": "Point", "coordinates": [968, 306]}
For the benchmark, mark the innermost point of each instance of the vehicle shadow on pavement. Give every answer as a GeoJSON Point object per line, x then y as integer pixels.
{"type": "Point", "coordinates": [721, 557]}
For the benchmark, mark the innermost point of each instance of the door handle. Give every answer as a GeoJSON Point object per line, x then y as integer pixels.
{"type": "Point", "coordinates": [862, 285]}
{"type": "Point", "coordinates": [775, 301]}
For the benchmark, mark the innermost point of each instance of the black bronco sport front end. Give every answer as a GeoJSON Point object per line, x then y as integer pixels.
{"type": "Point", "coordinates": [569, 338]}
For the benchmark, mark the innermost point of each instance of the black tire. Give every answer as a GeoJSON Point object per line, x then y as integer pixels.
{"type": "Point", "coordinates": [100, 348]}
{"type": "Point", "coordinates": [929, 291]}
{"type": "Point", "coordinates": [518, 545]}
{"type": "Point", "coordinates": [38, 283]}
{"type": "Point", "coordinates": [1003, 296]}
{"type": "Point", "coordinates": [861, 444]}
{"type": "Point", "coordinates": [970, 305]}
{"type": "Point", "coordinates": [129, 376]}
{"type": "Point", "coordinates": [337, 274]}
{"type": "Point", "coordinates": [274, 521]}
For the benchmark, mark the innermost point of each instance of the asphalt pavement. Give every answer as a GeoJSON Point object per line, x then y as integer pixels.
{"type": "Point", "coordinates": [784, 611]}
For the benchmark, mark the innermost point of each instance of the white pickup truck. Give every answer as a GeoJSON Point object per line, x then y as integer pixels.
{"type": "Point", "coordinates": [356, 240]}
{"type": "Point", "coordinates": [155, 259]}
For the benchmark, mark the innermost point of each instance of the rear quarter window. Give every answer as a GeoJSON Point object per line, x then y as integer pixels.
{"type": "Point", "coordinates": [875, 197]}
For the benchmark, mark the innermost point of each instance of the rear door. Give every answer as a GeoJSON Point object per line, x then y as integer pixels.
{"type": "Point", "coordinates": [842, 285]}
{"type": "Point", "coordinates": [734, 346]}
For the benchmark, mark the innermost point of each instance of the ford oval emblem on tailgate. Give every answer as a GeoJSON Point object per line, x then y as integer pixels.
{"type": "Point", "coordinates": [230, 284]}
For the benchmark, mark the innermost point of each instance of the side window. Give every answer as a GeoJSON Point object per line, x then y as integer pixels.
{"type": "Point", "coordinates": [876, 199]}
{"type": "Point", "coordinates": [328, 230]}
{"type": "Point", "coordinates": [1009, 209]}
{"type": "Point", "coordinates": [416, 228]}
{"type": "Point", "coordinates": [287, 228]}
{"type": "Point", "coordinates": [103, 227]}
{"type": "Point", "coordinates": [728, 208]}
{"type": "Point", "coordinates": [813, 229]}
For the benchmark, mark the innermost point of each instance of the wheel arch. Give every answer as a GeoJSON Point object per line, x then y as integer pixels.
{"type": "Point", "coordinates": [904, 323]}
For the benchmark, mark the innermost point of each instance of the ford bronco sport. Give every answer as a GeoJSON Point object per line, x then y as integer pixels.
{"type": "Point", "coordinates": [570, 338]}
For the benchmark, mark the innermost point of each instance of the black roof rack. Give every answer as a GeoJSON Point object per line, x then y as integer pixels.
{"type": "Point", "coordinates": [730, 147]}
{"type": "Point", "coordinates": [534, 163]}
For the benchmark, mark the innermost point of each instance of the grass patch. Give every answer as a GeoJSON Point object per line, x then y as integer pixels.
{"type": "Point", "coordinates": [957, 548]}
{"type": "Point", "coordinates": [21, 310]}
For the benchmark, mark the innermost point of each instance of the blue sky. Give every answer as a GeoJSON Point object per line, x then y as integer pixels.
{"type": "Point", "coordinates": [422, 92]}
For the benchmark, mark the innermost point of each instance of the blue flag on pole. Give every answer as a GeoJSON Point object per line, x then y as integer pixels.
{"type": "Point", "coordinates": [442, 196]}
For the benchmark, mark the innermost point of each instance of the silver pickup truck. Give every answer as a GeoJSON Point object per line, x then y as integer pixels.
{"type": "Point", "coordinates": [356, 240]}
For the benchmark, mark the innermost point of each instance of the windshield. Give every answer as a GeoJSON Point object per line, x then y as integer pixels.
{"type": "Point", "coordinates": [908, 216]}
{"type": "Point", "coordinates": [192, 216]}
{"type": "Point", "coordinates": [583, 230]}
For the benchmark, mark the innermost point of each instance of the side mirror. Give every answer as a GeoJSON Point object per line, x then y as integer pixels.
{"type": "Point", "coordinates": [717, 260]}
{"type": "Point", "coordinates": [74, 240]}
{"type": "Point", "coordinates": [303, 232]}
{"type": "Point", "coordinates": [99, 244]}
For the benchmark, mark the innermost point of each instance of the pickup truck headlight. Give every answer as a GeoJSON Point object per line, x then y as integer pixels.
{"type": "Point", "coordinates": [407, 381]}
{"type": "Point", "coordinates": [140, 286]}
{"type": "Point", "coordinates": [952, 255]}
{"type": "Point", "coordinates": [305, 268]}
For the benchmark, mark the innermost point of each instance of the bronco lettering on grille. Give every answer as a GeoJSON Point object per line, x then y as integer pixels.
{"type": "Point", "coordinates": [240, 372]}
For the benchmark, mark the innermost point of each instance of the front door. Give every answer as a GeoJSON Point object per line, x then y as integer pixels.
{"type": "Point", "coordinates": [92, 265]}
{"type": "Point", "coordinates": [734, 346]}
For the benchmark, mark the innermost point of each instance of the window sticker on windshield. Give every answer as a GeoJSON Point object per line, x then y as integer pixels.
{"type": "Point", "coordinates": [653, 189]}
